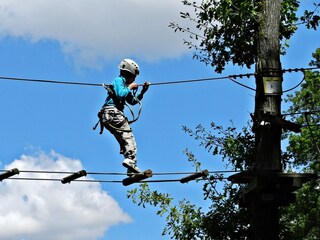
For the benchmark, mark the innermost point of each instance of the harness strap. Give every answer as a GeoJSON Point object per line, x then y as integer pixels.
{"type": "Point", "coordinates": [109, 126]}
{"type": "Point", "coordinates": [112, 94]}
{"type": "Point", "coordinates": [100, 121]}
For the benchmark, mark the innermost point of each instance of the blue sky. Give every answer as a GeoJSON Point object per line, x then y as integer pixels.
{"type": "Point", "coordinates": [49, 127]}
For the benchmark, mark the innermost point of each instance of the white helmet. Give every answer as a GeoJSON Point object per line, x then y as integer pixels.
{"type": "Point", "coordinates": [130, 66]}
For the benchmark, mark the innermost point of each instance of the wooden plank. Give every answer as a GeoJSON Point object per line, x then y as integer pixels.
{"type": "Point", "coordinates": [137, 177]}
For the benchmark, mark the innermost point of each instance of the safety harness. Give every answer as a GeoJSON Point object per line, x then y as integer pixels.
{"type": "Point", "coordinates": [109, 126]}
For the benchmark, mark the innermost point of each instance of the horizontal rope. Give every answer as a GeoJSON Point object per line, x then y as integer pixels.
{"type": "Point", "coordinates": [112, 173]}
{"type": "Point", "coordinates": [187, 81]}
{"type": "Point", "coordinates": [67, 179]}
{"type": "Point", "coordinates": [49, 81]}
{"type": "Point", "coordinates": [155, 84]}
{"type": "Point", "coordinates": [102, 181]}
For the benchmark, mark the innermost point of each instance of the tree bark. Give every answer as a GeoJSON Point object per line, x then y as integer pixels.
{"type": "Point", "coordinates": [264, 210]}
{"type": "Point", "coordinates": [268, 137]}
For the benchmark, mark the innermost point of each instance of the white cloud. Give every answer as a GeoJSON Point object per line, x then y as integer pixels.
{"type": "Point", "coordinates": [95, 30]}
{"type": "Point", "coordinates": [50, 210]}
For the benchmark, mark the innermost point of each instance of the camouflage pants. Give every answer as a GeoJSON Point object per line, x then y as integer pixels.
{"type": "Point", "coordinates": [115, 121]}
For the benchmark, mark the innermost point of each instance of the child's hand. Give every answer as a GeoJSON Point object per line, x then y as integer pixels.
{"type": "Point", "coordinates": [145, 87]}
{"type": "Point", "coordinates": [133, 86]}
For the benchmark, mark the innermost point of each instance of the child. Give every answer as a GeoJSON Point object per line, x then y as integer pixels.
{"type": "Point", "coordinates": [112, 116]}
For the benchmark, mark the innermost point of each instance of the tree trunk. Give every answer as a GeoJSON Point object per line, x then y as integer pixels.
{"type": "Point", "coordinates": [268, 144]}
{"type": "Point", "coordinates": [265, 214]}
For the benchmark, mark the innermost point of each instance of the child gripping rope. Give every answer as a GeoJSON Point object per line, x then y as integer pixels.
{"type": "Point", "coordinates": [112, 116]}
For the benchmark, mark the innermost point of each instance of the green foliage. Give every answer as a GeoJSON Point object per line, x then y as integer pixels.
{"type": "Point", "coordinates": [310, 18]}
{"type": "Point", "coordinates": [300, 219]}
{"type": "Point", "coordinates": [226, 31]}
{"type": "Point", "coordinates": [144, 196]}
{"type": "Point", "coordinates": [304, 147]}
{"type": "Point", "coordinates": [183, 220]}
{"type": "Point", "coordinates": [316, 58]}
{"type": "Point", "coordinates": [224, 219]}
{"type": "Point", "coordinates": [236, 148]}
{"type": "Point", "coordinates": [230, 35]}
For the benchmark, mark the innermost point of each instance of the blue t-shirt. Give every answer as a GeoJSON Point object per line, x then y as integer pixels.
{"type": "Point", "coordinates": [122, 94]}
